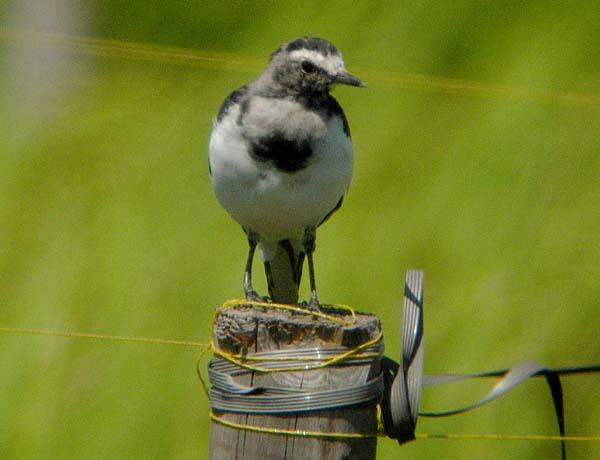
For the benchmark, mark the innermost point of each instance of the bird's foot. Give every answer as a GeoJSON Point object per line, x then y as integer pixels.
{"type": "Point", "coordinates": [313, 304]}
{"type": "Point", "coordinates": [253, 296]}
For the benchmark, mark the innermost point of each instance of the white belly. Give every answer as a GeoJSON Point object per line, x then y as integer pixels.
{"type": "Point", "coordinates": [276, 204]}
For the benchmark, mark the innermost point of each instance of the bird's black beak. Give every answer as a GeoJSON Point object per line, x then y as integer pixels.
{"type": "Point", "coordinates": [346, 78]}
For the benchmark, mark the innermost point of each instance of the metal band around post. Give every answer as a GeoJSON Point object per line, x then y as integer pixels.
{"type": "Point", "coordinates": [230, 396]}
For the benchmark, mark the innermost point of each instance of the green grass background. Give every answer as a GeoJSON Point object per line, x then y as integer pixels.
{"type": "Point", "coordinates": [108, 223]}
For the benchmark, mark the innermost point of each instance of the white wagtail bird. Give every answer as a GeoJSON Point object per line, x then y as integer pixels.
{"type": "Point", "coordinates": [280, 160]}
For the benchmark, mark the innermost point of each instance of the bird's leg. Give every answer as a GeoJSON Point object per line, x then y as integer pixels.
{"type": "Point", "coordinates": [248, 289]}
{"type": "Point", "coordinates": [308, 242]}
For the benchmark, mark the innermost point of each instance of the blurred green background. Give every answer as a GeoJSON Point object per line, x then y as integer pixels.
{"type": "Point", "coordinates": [477, 159]}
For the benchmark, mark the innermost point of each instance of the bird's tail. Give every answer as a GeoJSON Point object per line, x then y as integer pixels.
{"type": "Point", "coordinates": [284, 271]}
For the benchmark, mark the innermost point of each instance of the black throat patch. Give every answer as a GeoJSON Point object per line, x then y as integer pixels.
{"type": "Point", "coordinates": [287, 155]}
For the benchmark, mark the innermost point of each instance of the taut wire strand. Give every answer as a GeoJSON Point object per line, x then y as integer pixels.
{"type": "Point", "coordinates": [87, 335]}
{"type": "Point", "coordinates": [118, 49]}
{"type": "Point", "coordinates": [446, 436]}
{"type": "Point", "coordinates": [281, 431]}
{"type": "Point", "coordinates": [186, 56]}
{"type": "Point", "coordinates": [509, 437]}
{"type": "Point", "coordinates": [217, 419]}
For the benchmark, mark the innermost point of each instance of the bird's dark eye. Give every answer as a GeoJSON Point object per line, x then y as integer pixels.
{"type": "Point", "coordinates": [308, 67]}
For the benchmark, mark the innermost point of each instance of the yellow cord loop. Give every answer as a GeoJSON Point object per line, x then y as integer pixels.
{"type": "Point", "coordinates": [249, 362]}
{"type": "Point", "coordinates": [284, 432]}
{"type": "Point", "coordinates": [242, 360]}
{"type": "Point", "coordinates": [206, 347]}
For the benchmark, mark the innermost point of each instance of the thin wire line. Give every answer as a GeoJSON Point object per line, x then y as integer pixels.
{"type": "Point", "coordinates": [447, 436]}
{"type": "Point", "coordinates": [469, 87]}
{"type": "Point", "coordinates": [194, 344]}
{"type": "Point", "coordinates": [127, 50]}
{"type": "Point", "coordinates": [287, 432]}
{"type": "Point", "coordinates": [87, 335]}
{"type": "Point", "coordinates": [508, 437]}
{"type": "Point", "coordinates": [186, 56]}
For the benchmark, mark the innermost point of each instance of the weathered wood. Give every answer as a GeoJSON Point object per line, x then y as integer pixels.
{"type": "Point", "coordinates": [252, 330]}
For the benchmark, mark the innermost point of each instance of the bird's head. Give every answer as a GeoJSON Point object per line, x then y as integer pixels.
{"type": "Point", "coordinates": [309, 66]}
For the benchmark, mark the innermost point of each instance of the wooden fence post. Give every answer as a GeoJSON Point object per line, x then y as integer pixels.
{"type": "Point", "coordinates": [248, 329]}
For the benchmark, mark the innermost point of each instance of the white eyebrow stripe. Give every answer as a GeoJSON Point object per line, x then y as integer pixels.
{"type": "Point", "coordinates": [332, 64]}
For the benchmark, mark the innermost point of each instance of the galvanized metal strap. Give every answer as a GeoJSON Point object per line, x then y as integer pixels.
{"type": "Point", "coordinates": [228, 395]}
{"type": "Point", "coordinates": [400, 404]}
{"type": "Point", "coordinates": [403, 382]}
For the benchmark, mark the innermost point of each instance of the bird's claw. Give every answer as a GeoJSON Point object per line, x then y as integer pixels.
{"type": "Point", "coordinates": [253, 296]}
{"type": "Point", "coordinates": [313, 304]}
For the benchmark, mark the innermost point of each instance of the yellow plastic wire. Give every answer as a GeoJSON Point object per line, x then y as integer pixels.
{"type": "Point", "coordinates": [207, 346]}
{"type": "Point", "coordinates": [242, 360]}
{"type": "Point", "coordinates": [185, 56]}
{"type": "Point", "coordinates": [380, 433]}
{"type": "Point", "coordinates": [509, 437]}
{"type": "Point", "coordinates": [117, 49]}
{"type": "Point", "coordinates": [199, 372]}
{"type": "Point", "coordinates": [282, 431]}
{"type": "Point", "coordinates": [234, 303]}
{"type": "Point", "coordinates": [87, 335]}
{"type": "Point", "coordinates": [447, 436]}
{"type": "Point", "coordinates": [235, 359]}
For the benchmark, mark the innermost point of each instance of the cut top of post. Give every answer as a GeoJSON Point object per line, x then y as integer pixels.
{"type": "Point", "coordinates": [246, 328]}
